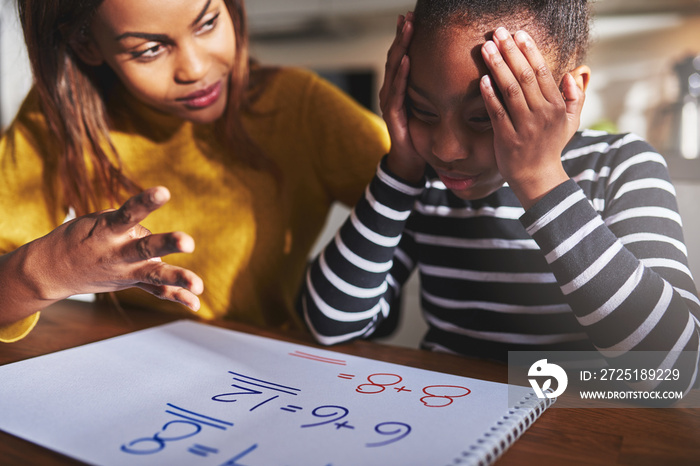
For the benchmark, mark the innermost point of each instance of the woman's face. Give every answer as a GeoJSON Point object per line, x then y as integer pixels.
{"type": "Point", "coordinates": [174, 55]}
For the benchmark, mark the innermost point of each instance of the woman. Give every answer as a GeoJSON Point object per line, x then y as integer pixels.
{"type": "Point", "coordinates": [133, 94]}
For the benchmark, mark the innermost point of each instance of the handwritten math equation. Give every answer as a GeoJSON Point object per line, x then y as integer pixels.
{"type": "Point", "coordinates": [181, 425]}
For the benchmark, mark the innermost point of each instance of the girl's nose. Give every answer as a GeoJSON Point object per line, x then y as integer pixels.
{"type": "Point", "coordinates": [191, 64]}
{"type": "Point", "coordinates": [448, 145]}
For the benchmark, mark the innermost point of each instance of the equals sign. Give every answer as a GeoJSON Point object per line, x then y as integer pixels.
{"type": "Point", "coordinates": [292, 408]}
{"type": "Point", "coordinates": [346, 376]}
{"type": "Point", "coordinates": [201, 450]}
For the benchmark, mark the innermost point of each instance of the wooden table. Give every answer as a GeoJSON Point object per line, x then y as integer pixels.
{"type": "Point", "coordinates": [630, 436]}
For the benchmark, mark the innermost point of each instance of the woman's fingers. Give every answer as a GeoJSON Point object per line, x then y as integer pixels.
{"type": "Point", "coordinates": [145, 250]}
{"type": "Point", "coordinates": [136, 209]}
{"type": "Point", "coordinates": [172, 293]}
{"type": "Point", "coordinates": [157, 245]}
{"type": "Point", "coordinates": [159, 273]}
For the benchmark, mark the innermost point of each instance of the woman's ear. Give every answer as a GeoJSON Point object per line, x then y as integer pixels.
{"type": "Point", "coordinates": [582, 76]}
{"type": "Point", "coordinates": [85, 48]}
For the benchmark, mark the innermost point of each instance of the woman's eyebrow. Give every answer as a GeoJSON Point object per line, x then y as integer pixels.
{"type": "Point", "coordinates": [202, 13]}
{"type": "Point", "coordinates": [143, 35]}
{"type": "Point", "coordinates": [162, 37]}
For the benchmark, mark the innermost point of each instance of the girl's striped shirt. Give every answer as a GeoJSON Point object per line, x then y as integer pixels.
{"type": "Point", "coordinates": [599, 263]}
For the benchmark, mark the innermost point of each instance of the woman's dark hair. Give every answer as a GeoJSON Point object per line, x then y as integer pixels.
{"type": "Point", "coordinates": [561, 26]}
{"type": "Point", "coordinates": [72, 99]}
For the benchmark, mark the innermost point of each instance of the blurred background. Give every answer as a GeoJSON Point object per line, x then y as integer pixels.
{"type": "Point", "coordinates": [645, 58]}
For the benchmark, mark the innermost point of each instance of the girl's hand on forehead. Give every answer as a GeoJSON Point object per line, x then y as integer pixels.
{"type": "Point", "coordinates": [111, 251]}
{"type": "Point", "coordinates": [533, 119]}
{"type": "Point", "coordinates": [403, 159]}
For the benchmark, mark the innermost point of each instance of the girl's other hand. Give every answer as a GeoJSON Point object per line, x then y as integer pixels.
{"type": "Point", "coordinates": [534, 121]}
{"type": "Point", "coordinates": [110, 251]}
{"type": "Point", "coordinates": [403, 160]}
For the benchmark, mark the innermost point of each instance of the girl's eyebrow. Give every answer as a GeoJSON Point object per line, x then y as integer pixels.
{"type": "Point", "coordinates": [162, 37]}
{"type": "Point", "coordinates": [418, 90]}
{"type": "Point", "coordinates": [467, 96]}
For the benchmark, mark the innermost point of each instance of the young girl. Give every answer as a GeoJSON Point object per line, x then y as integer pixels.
{"type": "Point", "coordinates": [527, 235]}
{"type": "Point", "coordinates": [133, 94]}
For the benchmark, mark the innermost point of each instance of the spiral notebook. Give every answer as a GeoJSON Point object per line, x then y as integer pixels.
{"type": "Point", "coordinates": [193, 394]}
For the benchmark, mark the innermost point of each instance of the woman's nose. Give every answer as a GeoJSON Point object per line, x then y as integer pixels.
{"type": "Point", "coordinates": [191, 64]}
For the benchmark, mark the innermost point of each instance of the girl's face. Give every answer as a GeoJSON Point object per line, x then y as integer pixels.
{"type": "Point", "coordinates": [448, 122]}
{"type": "Point", "coordinates": [174, 55]}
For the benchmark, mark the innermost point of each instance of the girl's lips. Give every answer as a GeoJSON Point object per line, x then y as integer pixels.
{"type": "Point", "coordinates": [457, 183]}
{"type": "Point", "coordinates": [203, 98]}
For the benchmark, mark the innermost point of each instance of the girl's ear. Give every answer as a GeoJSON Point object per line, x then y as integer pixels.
{"type": "Point", "coordinates": [86, 50]}
{"type": "Point", "coordinates": [582, 76]}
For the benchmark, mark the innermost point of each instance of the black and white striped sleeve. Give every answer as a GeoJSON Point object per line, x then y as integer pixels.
{"type": "Point", "coordinates": [349, 287]}
{"type": "Point", "coordinates": [621, 263]}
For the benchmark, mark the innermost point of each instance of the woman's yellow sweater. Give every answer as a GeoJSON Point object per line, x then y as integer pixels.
{"type": "Point", "coordinates": [252, 234]}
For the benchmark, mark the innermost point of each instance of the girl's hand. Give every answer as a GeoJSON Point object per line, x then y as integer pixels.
{"type": "Point", "coordinates": [110, 251]}
{"type": "Point", "coordinates": [536, 119]}
{"type": "Point", "coordinates": [403, 159]}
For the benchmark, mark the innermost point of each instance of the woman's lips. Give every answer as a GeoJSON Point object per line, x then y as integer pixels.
{"type": "Point", "coordinates": [203, 98]}
{"type": "Point", "coordinates": [457, 183]}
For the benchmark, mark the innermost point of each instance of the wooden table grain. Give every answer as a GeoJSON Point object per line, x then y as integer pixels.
{"type": "Point", "coordinates": [561, 436]}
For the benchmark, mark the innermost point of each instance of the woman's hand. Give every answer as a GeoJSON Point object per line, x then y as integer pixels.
{"type": "Point", "coordinates": [111, 251]}
{"type": "Point", "coordinates": [403, 159]}
{"type": "Point", "coordinates": [534, 120]}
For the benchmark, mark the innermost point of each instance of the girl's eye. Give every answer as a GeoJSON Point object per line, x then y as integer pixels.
{"type": "Point", "coordinates": [485, 119]}
{"type": "Point", "coordinates": [481, 124]}
{"type": "Point", "coordinates": [209, 25]}
{"type": "Point", "coordinates": [149, 53]}
{"type": "Point", "coordinates": [418, 112]}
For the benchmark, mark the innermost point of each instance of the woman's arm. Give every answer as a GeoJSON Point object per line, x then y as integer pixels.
{"type": "Point", "coordinates": [102, 252]}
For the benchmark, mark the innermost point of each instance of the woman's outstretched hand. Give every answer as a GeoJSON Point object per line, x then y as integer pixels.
{"type": "Point", "coordinates": [98, 253]}
{"type": "Point", "coordinates": [403, 159]}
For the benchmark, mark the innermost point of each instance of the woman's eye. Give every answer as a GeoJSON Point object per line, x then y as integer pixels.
{"type": "Point", "coordinates": [149, 53]}
{"type": "Point", "coordinates": [209, 25]}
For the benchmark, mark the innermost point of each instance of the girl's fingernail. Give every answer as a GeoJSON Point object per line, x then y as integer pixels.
{"type": "Point", "coordinates": [501, 33]}
{"type": "Point", "coordinates": [486, 81]}
{"type": "Point", "coordinates": [522, 37]}
{"type": "Point", "coordinates": [491, 48]}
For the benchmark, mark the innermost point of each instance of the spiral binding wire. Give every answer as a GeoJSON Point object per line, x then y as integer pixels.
{"type": "Point", "coordinates": [491, 445]}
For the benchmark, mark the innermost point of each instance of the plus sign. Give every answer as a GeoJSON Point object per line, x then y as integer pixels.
{"type": "Point", "coordinates": [339, 425]}
{"type": "Point", "coordinates": [401, 389]}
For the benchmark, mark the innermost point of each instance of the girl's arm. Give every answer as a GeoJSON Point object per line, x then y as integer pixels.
{"type": "Point", "coordinates": [621, 263]}
{"type": "Point", "coordinates": [350, 287]}
{"type": "Point", "coordinates": [623, 271]}
{"type": "Point", "coordinates": [98, 253]}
